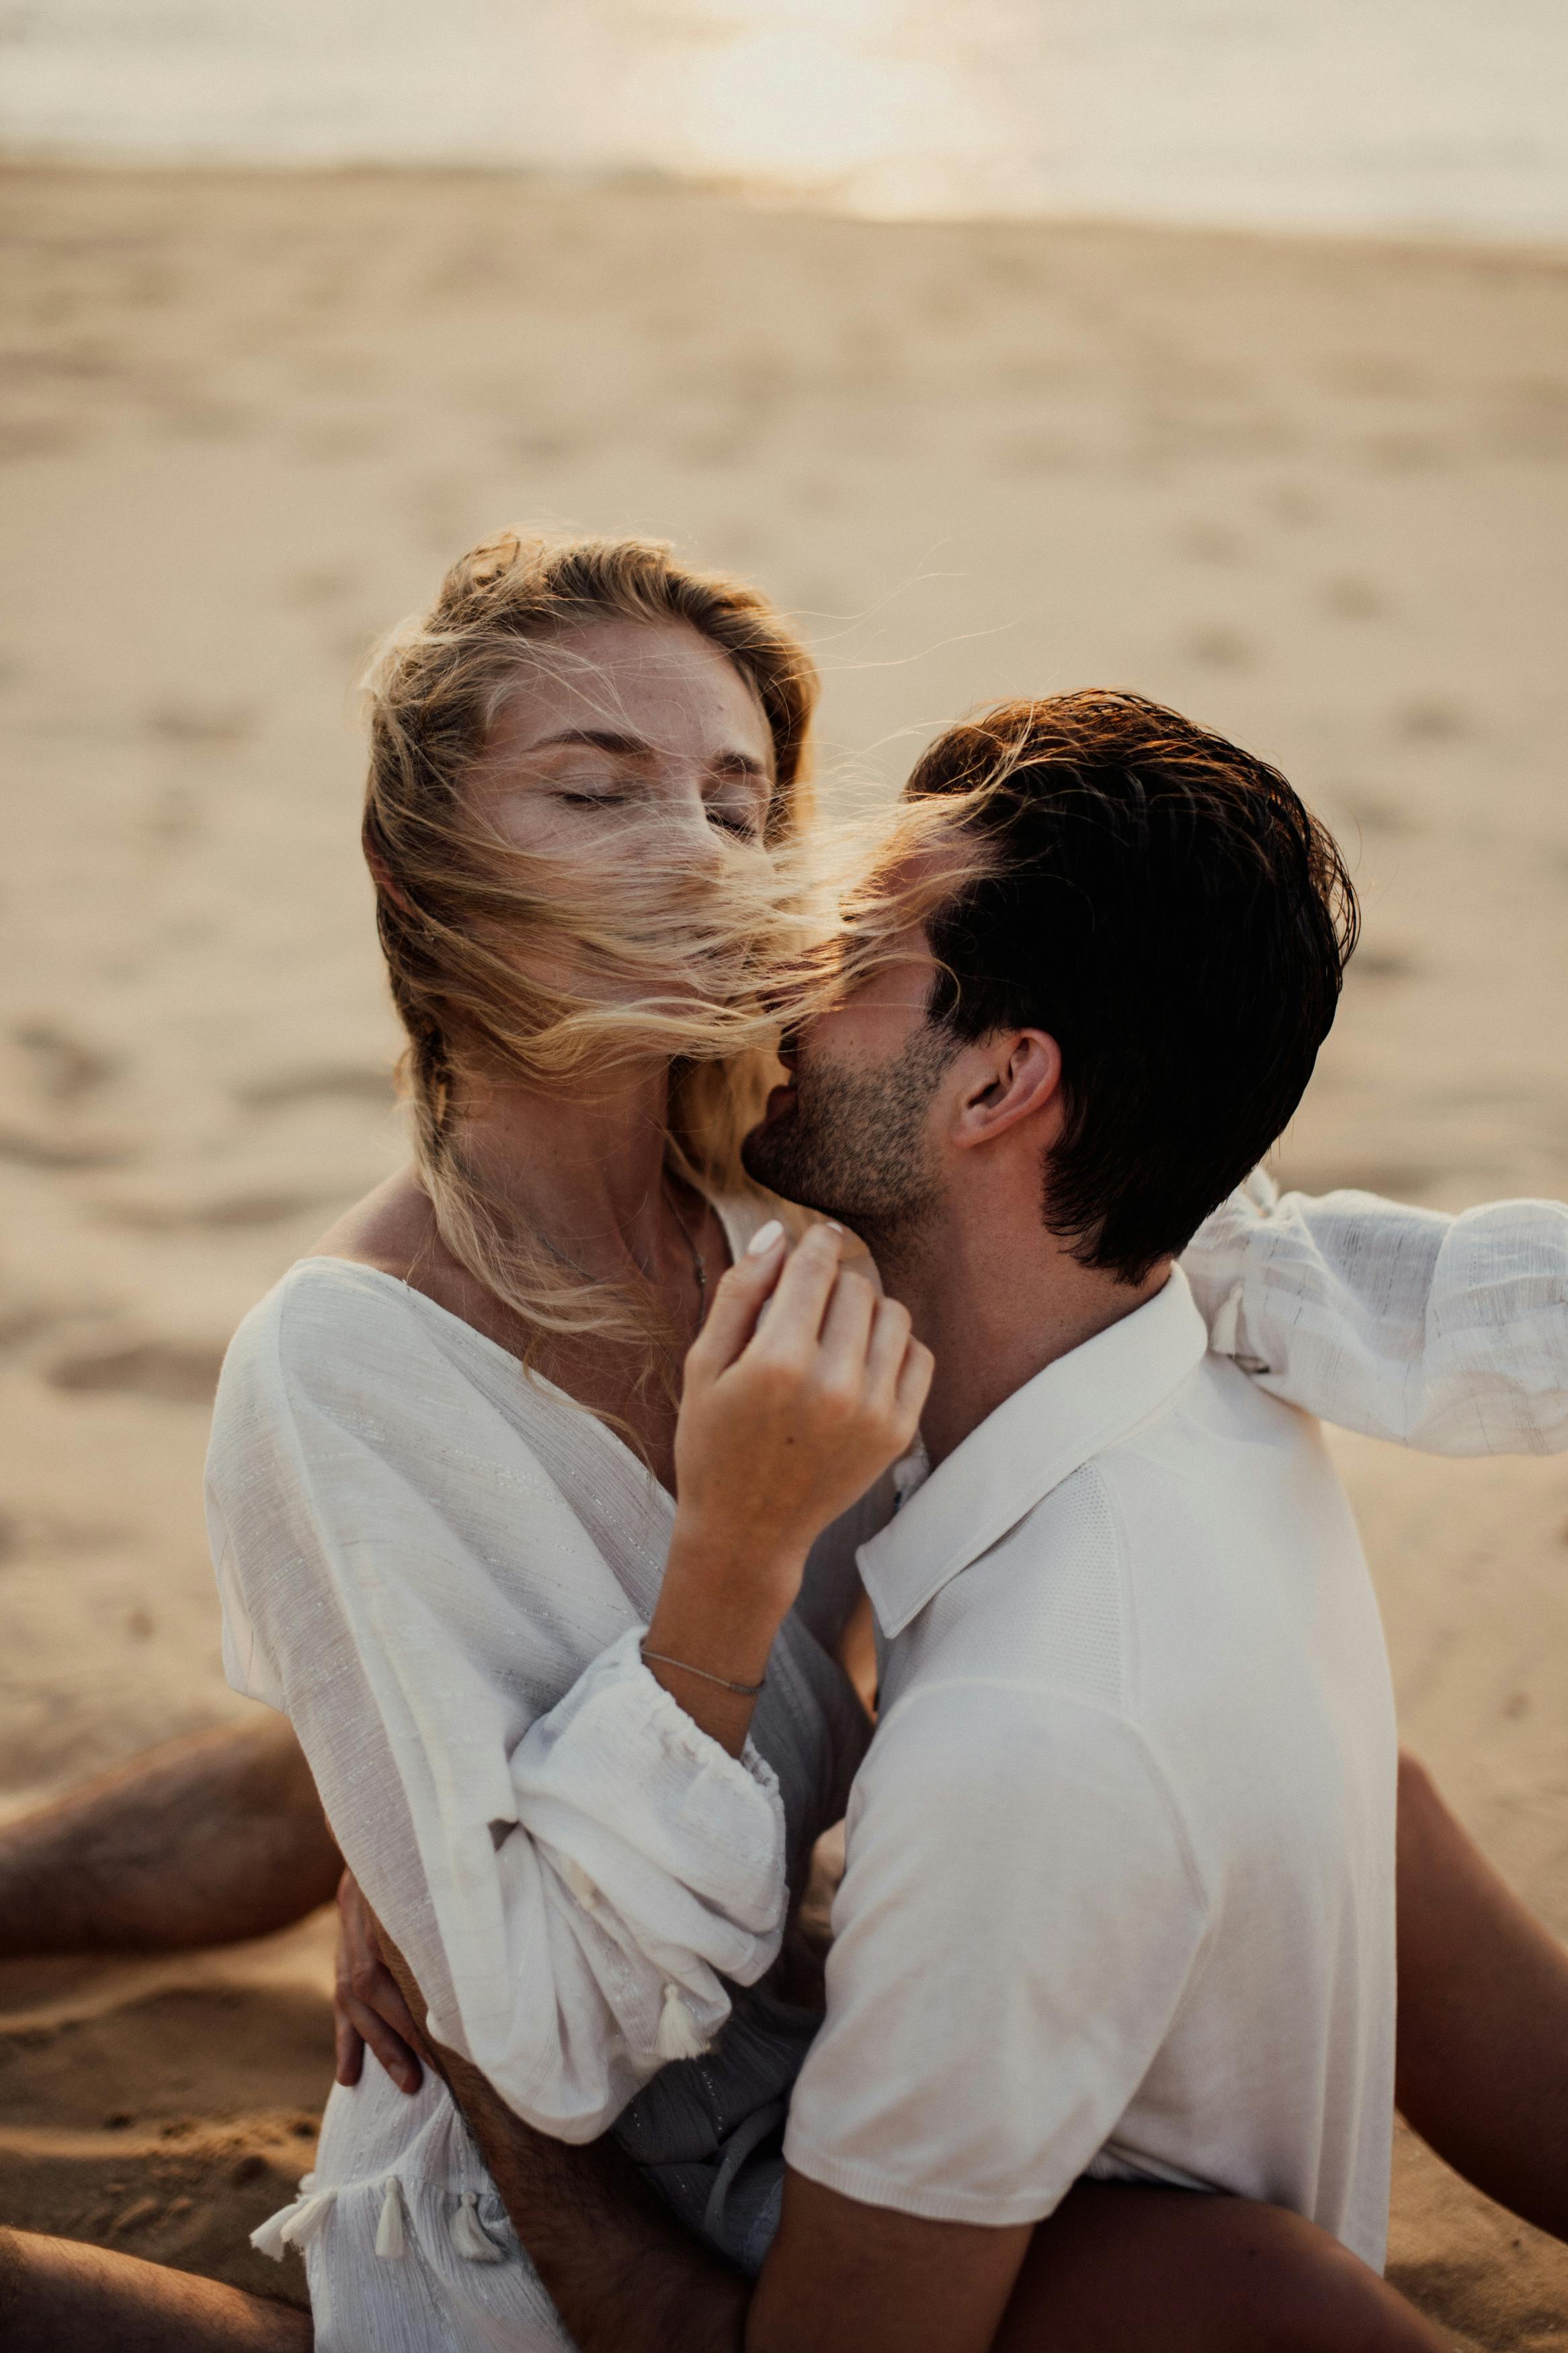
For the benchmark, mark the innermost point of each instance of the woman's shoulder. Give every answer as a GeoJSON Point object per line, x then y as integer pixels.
{"type": "Point", "coordinates": [332, 1327]}
{"type": "Point", "coordinates": [348, 1295]}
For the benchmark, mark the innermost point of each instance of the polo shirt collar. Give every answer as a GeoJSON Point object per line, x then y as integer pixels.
{"type": "Point", "coordinates": [1086, 1401]}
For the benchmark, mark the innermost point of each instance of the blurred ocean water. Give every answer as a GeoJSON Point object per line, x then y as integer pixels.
{"type": "Point", "coordinates": [1438, 116]}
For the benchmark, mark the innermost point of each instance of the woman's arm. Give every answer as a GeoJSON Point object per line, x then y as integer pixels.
{"type": "Point", "coordinates": [1448, 1333]}
{"type": "Point", "coordinates": [574, 1867]}
{"type": "Point", "coordinates": [786, 1420]}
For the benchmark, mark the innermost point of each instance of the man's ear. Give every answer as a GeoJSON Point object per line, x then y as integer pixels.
{"type": "Point", "coordinates": [1012, 1076]}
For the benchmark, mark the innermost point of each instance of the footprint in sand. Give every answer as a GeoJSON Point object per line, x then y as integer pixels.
{"type": "Point", "coordinates": [208, 726]}
{"type": "Point", "coordinates": [1429, 720]}
{"type": "Point", "coordinates": [48, 1061]}
{"type": "Point", "coordinates": [1376, 812]}
{"type": "Point", "coordinates": [1351, 597]}
{"type": "Point", "coordinates": [1382, 963]}
{"type": "Point", "coordinates": [64, 1067]}
{"type": "Point", "coordinates": [228, 1213]}
{"type": "Point", "coordinates": [322, 1082]}
{"type": "Point", "coordinates": [27, 1149]}
{"type": "Point", "coordinates": [1211, 542]}
{"type": "Point", "coordinates": [177, 1372]}
{"type": "Point", "coordinates": [1221, 649]}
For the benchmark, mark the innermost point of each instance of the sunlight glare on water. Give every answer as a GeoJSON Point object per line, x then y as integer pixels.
{"type": "Point", "coordinates": [1402, 114]}
{"type": "Point", "coordinates": [808, 92]}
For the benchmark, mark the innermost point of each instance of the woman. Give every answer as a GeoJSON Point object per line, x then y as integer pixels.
{"type": "Point", "coordinates": [440, 1544]}
{"type": "Point", "coordinates": [440, 1568]}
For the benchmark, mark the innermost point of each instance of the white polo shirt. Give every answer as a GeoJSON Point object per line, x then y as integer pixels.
{"type": "Point", "coordinates": [1120, 1888]}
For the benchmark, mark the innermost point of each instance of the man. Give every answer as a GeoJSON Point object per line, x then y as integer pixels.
{"type": "Point", "coordinates": [1120, 1892]}
{"type": "Point", "coordinates": [1026, 1114]}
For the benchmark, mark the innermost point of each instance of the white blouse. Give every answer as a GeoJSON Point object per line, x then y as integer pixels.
{"type": "Point", "coordinates": [440, 1571]}
{"type": "Point", "coordinates": [1448, 1333]}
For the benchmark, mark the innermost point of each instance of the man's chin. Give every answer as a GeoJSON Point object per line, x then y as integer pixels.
{"type": "Point", "coordinates": [771, 1155]}
{"type": "Point", "coordinates": [760, 1155]}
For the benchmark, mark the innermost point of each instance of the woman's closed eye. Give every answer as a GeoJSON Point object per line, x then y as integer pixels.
{"type": "Point", "coordinates": [739, 822]}
{"type": "Point", "coordinates": [743, 823]}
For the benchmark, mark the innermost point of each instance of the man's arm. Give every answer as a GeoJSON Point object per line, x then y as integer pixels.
{"type": "Point", "coordinates": [624, 2274]}
{"type": "Point", "coordinates": [842, 2277]}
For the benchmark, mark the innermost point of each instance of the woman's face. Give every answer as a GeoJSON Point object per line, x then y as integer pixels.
{"type": "Point", "coordinates": [631, 759]}
{"type": "Point", "coordinates": [627, 738]}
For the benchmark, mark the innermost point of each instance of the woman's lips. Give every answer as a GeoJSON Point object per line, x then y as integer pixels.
{"type": "Point", "coordinates": [780, 1101]}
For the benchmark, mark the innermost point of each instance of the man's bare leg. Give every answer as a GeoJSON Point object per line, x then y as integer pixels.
{"type": "Point", "coordinates": [57, 2297]}
{"type": "Point", "coordinates": [1483, 2016]}
{"type": "Point", "coordinates": [202, 1841]}
{"type": "Point", "coordinates": [1117, 2269]}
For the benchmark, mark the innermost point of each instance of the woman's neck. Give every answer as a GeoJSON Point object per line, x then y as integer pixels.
{"type": "Point", "coordinates": [586, 1173]}
{"type": "Point", "coordinates": [587, 1176]}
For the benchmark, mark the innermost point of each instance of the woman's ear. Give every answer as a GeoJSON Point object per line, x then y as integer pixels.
{"type": "Point", "coordinates": [1016, 1076]}
{"type": "Point", "coordinates": [382, 876]}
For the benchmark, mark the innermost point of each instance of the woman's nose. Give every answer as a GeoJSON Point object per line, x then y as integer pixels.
{"type": "Point", "coordinates": [692, 831]}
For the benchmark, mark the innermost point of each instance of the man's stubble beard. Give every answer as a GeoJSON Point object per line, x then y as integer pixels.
{"type": "Point", "coordinates": [856, 1144]}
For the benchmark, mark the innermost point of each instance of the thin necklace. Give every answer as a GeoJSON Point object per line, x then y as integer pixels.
{"type": "Point", "coordinates": [698, 1265]}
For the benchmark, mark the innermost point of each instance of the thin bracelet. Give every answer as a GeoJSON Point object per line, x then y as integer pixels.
{"type": "Point", "coordinates": [744, 1691]}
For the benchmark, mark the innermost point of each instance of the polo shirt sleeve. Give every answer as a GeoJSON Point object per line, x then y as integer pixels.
{"type": "Point", "coordinates": [1019, 1919]}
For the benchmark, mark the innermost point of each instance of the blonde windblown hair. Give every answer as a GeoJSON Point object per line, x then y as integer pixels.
{"type": "Point", "coordinates": [476, 933]}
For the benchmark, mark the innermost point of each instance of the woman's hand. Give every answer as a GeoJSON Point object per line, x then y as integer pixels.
{"type": "Point", "coordinates": [785, 1420]}
{"type": "Point", "coordinates": [366, 2004]}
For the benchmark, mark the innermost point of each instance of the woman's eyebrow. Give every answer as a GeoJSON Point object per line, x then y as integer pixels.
{"type": "Point", "coordinates": [637, 747]}
{"type": "Point", "coordinates": [602, 739]}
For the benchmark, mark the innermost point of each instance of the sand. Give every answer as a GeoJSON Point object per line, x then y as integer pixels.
{"type": "Point", "coordinates": [1314, 493]}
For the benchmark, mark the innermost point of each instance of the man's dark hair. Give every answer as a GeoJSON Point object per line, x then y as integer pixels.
{"type": "Point", "coordinates": [1166, 907]}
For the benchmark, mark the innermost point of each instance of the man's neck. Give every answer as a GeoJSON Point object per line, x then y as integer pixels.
{"type": "Point", "coordinates": [996, 1307]}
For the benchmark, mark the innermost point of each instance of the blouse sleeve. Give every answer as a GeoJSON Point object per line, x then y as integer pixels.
{"type": "Point", "coordinates": [570, 1866]}
{"type": "Point", "coordinates": [1449, 1334]}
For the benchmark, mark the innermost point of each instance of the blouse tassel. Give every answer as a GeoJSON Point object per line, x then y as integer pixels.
{"type": "Point", "coordinates": [294, 2225]}
{"type": "Point", "coordinates": [678, 2036]}
{"type": "Point", "coordinates": [391, 2238]}
{"type": "Point", "coordinates": [467, 2235]}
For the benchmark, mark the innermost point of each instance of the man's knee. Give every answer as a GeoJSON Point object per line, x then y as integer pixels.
{"type": "Point", "coordinates": [1329, 2301]}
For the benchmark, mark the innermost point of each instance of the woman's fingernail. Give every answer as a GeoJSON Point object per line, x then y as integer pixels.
{"type": "Point", "coordinates": [764, 1238]}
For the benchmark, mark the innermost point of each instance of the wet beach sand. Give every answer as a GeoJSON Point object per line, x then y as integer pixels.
{"type": "Point", "coordinates": [1312, 493]}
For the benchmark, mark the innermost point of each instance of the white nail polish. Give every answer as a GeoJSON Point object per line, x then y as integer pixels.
{"type": "Point", "coordinates": [764, 1238]}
